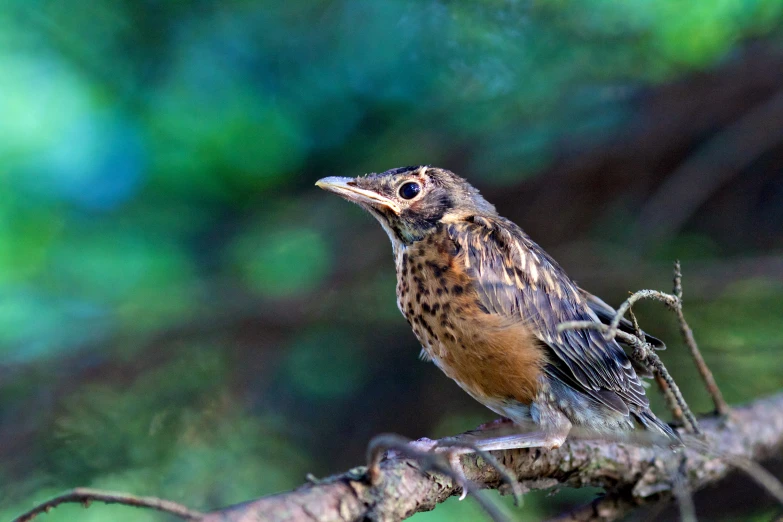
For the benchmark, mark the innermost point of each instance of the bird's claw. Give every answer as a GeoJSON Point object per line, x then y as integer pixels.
{"type": "Point", "coordinates": [430, 454]}
{"type": "Point", "coordinates": [426, 451]}
{"type": "Point", "coordinates": [426, 445]}
{"type": "Point", "coordinates": [459, 473]}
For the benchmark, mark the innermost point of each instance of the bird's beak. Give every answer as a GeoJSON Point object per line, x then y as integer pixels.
{"type": "Point", "coordinates": [346, 188]}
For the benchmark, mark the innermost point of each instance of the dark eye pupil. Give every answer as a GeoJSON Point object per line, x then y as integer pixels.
{"type": "Point", "coordinates": [409, 190]}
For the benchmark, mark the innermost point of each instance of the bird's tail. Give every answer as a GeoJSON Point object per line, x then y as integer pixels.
{"type": "Point", "coordinates": [656, 425]}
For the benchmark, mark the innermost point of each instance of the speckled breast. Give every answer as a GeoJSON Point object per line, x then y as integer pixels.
{"type": "Point", "coordinates": [429, 291]}
{"type": "Point", "coordinates": [491, 357]}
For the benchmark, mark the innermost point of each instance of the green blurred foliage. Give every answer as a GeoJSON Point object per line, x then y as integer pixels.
{"type": "Point", "coordinates": [324, 364]}
{"type": "Point", "coordinates": [281, 262]}
{"type": "Point", "coordinates": [156, 170]}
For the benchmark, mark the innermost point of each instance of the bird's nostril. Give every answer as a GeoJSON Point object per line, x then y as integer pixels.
{"type": "Point", "coordinates": [351, 183]}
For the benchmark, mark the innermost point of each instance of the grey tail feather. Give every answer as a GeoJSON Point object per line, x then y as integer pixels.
{"type": "Point", "coordinates": [654, 424]}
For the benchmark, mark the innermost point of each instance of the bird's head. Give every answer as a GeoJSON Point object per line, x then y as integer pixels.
{"type": "Point", "coordinates": [410, 202]}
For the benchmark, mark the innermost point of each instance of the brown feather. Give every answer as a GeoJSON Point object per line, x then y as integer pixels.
{"type": "Point", "coordinates": [490, 356]}
{"type": "Point", "coordinates": [544, 297]}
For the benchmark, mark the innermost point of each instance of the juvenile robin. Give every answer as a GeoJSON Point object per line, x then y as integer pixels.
{"type": "Point", "coordinates": [485, 301]}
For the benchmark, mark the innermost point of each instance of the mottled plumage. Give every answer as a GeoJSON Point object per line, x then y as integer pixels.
{"type": "Point", "coordinates": [485, 301]}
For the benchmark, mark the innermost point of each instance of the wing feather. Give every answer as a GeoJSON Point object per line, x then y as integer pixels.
{"type": "Point", "coordinates": [514, 277]}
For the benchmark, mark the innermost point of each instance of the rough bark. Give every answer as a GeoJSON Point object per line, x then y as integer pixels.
{"type": "Point", "coordinates": [634, 475]}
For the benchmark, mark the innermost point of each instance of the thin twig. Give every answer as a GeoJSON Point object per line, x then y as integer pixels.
{"type": "Point", "coordinates": [85, 496]}
{"type": "Point", "coordinates": [671, 400]}
{"type": "Point", "coordinates": [709, 381]}
{"type": "Point", "coordinates": [668, 396]}
{"type": "Point", "coordinates": [655, 295]}
{"type": "Point", "coordinates": [643, 353]}
{"type": "Point", "coordinates": [651, 358]}
{"type": "Point", "coordinates": [674, 302]}
{"type": "Point", "coordinates": [636, 328]}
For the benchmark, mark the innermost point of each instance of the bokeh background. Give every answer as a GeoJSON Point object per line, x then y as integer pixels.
{"type": "Point", "coordinates": [183, 314]}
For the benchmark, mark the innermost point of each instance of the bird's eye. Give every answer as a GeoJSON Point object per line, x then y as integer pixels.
{"type": "Point", "coordinates": [409, 190]}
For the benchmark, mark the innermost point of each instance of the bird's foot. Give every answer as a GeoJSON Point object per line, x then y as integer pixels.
{"type": "Point", "coordinates": [443, 456]}
{"type": "Point", "coordinates": [426, 452]}
{"type": "Point", "coordinates": [452, 455]}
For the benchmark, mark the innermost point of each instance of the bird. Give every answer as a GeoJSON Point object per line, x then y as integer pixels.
{"type": "Point", "coordinates": [485, 302]}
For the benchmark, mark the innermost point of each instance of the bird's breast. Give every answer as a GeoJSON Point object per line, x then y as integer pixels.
{"type": "Point", "coordinates": [491, 357]}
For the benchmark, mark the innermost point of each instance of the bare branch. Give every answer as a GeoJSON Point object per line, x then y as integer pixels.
{"type": "Point", "coordinates": [674, 302]}
{"type": "Point", "coordinates": [643, 353]}
{"type": "Point", "coordinates": [687, 334]}
{"type": "Point", "coordinates": [655, 295]}
{"type": "Point", "coordinates": [634, 475]}
{"type": "Point", "coordinates": [85, 496]}
{"type": "Point", "coordinates": [671, 400]}
{"type": "Point", "coordinates": [505, 475]}
{"type": "Point", "coordinates": [649, 357]}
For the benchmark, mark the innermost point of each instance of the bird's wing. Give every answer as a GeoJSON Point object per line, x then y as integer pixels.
{"type": "Point", "coordinates": [514, 277]}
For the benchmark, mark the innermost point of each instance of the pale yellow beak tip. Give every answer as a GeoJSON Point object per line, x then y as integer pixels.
{"type": "Point", "coordinates": [332, 182]}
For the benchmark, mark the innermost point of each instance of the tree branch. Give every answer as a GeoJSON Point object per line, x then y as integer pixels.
{"type": "Point", "coordinates": [85, 496]}
{"type": "Point", "coordinates": [687, 334]}
{"type": "Point", "coordinates": [633, 475]}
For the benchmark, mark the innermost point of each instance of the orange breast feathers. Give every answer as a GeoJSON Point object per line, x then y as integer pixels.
{"type": "Point", "coordinates": [490, 356]}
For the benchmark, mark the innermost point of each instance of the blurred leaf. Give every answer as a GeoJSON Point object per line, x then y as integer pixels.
{"type": "Point", "coordinates": [281, 261]}
{"type": "Point", "coordinates": [326, 364]}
